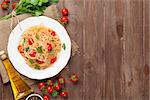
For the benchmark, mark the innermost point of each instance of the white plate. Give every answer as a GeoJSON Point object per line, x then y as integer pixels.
{"type": "Point", "coordinates": [19, 62]}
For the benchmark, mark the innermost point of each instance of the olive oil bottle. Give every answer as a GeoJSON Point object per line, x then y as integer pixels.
{"type": "Point", "coordinates": [19, 87]}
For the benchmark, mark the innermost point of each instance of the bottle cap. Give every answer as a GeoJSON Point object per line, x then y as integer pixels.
{"type": "Point", "coordinates": [3, 55]}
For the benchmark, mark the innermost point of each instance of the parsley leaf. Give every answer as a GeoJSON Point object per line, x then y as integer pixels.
{"type": "Point", "coordinates": [34, 7]}
{"type": "Point", "coordinates": [31, 61]}
{"type": "Point", "coordinates": [64, 46]}
{"type": "Point", "coordinates": [39, 49]}
{"type": "Point", "coordinates": [27, 49]}
{"type": "Point", "coordinates": [37, 37]}
{"type": "Point", "coordinates": [24, 40]}
{"type": "Point", "coordinates": [51, 52]}
{"type": "Point", "coordinates": [37, 67]}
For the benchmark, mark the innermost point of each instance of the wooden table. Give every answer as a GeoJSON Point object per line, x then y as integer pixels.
{"type": "Point", "coordinates": [114, 60]}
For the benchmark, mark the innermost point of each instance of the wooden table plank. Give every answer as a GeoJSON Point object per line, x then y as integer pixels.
{"type": "Point", "coordinates": [93, 49]}
{"type": "Point", "coordinates": [133, 62]}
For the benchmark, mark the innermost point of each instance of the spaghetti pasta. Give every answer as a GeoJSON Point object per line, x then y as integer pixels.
{"type": "Point", "coordinates": [39, 46]}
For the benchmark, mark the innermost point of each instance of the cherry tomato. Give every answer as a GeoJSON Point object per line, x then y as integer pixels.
{"type": "Point", "coordinates": [41, 85]}
{"type": "Point", "coordinates": [74, 78]}
{"type": "Point", "coordinates": [61, 80]}
{"type": "Point", "coordinates": [49, 47]}
{"type": "Point", "coordinates": [56, 86]}
{"type": "Point", "coordinates": [49, 89]}
{"type": "Point", "coordinates": [40, 61]}
{"type": "Point", "coordinates": [64, 12]}
{"type": "Point", "coordinates": [46, 97]}
{"type": "Point", "coordinates": [64, 19]}
{"type": "Point", "coordinates": [4, 5]}
{"type": "Point", "coordinates": [20, 49]}
{"type": "Point", "coordinates": [32, 53]}
{"type": "Point", "coordinates": [49, 30]}
{"type": "Point", "coordinates": [30, 41]}
{"type": "Point", "coordinates": [53, 33]}
{"type": "Point", "coordinates": [53, 60]}
{"type": "Point", "coordinates": [63, 94]}
{"type": "Point", "coordinates": [49, 82]}
{"type": "Point", "coordinates": [14, 5]}
{"type": "Point", "coordinates": [8, 1]}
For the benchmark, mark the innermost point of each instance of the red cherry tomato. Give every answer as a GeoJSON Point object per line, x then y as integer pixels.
{"type": "Point", "coordinates": [8, 1]}
{"type": "Point", "coordinates": [46, 97]}
{"type": "Point", "coordinates": [64, 12]}
{"type": "Point", "coordinates": [53, 60]}
{"type": "Point", "coordinates": [14, 5]}
{"type": "Point", "coordinates": [20, 49]}
{"type": "Point", "coordinates": [61, 80]}
{"type": "Point", "coordinates": [32, 53]}
{"type": "Point", "coordinates": [49, 47]}
{"type": "Point", "coordinates": [40, 61]}
{"type": "Point", "coordinates": [30, 41]}
{"type": "Point", "coordinates": [56, 86]}
{"type": "Point", "coordinates": [49, 89]}
{"type": "Point", "coordinates": [63, 94]}
{"type": "Point", "coordinates": [4, 5]}
{"type": "Point", "coordinates": [74, 78]}
{"type": "Point", "coordinates": [64, 19]}
{"type": "Point", "coordinates": [49, 82]}
{"type": "Point", "coordinates": [41, 85]}
{"type": "Point", "coordinates": [53, 33]}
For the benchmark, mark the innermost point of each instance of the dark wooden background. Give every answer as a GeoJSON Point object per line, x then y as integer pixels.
{"type": "Point", "coordinates": [114, 60]}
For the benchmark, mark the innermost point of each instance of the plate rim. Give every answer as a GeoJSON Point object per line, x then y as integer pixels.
{"type": "Point", "coordinates": [27, 75]}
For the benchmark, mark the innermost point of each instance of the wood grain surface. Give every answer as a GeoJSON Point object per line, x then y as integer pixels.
{"type": "Point", "coordinates": [114, 59]}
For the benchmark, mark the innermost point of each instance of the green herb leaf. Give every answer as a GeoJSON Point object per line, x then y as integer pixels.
{"type": "Point", "coordinates": [34, 7]}
{"type": "Point", "coordinates": [31, 61]}
{"type": "Point", "coordinates": [37, 36]}
{"type": "Point", "coordinates": [27, 49]}
{"type": "Point", "coordinates": [54, 1]}
{"type": "Point", "coordinates": [51, 52]}
{"type": "Point", "coordinates": [34, 2]}
{"type": "Point", "coordinates": [64, 46]}
{"type": "Point", "coordinates": [39, 49]}
{"type": "Point", "coordinates": [24, 40]}
{"type": "Point", "coordinates": [37, 67]}
{"type": "Point", "coordinates": [55, 93]}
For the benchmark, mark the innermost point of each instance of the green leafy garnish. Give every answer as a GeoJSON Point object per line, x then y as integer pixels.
{"type": "Point", "coordinates": [51, 52]}
{"type": "Point", "coordinates": [27, 49]}
{"type": "Point", "coordinates": [37, 67]}
{"type": "Point", "coordinates": [55, 93]}
{"type": "Point", "coordinates": [54, 1]}
{"type": "Point", "coordinates": [39, 49]}
{"type": "Point", "coordinates": [34, 7]}
{"type": "Point", "coordinates": [64, 46]}
{"type": "Point", "coordinates": [37, 36]}
{"type": "Point", "coordinates": [24, 40]}
{"type": "Point", "coordinates": [31, 61]}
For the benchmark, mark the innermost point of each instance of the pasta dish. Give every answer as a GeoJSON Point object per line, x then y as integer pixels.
{"type": "Point", "coordinates": [39, 46]}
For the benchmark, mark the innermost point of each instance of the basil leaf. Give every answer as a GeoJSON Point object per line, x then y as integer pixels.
{"type": "Point", "coordinates": [24, 40]}
{"type": "Point", "coordinates": [27, 49]}
{"type": "Point", "coordinates": [64, 46]}
{"type": "Point", "coordinates": [37, 36]}
{"type": "Point", "coordinates": [39, 49]}
{"type": "Point", "coordinates": [31, 61]}
{"type": "Point", "coordinates": [37, 67]}
{"type": "Point", "coordinates": [51, 52]}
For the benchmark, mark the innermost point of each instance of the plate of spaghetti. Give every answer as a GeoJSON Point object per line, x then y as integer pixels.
{"type": "Point", "coordinates": [39, 47]}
